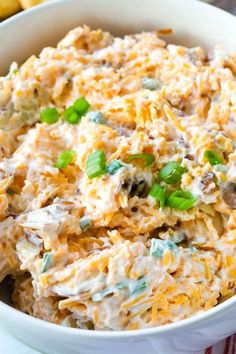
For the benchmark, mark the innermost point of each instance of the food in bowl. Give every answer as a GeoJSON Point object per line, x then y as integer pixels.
{"type": "Point", "coordinates": [118, 185]}
{"type": "Point", "coordinates": [10, 7]}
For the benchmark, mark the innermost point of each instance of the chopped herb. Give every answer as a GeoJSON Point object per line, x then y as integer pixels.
{"type": "Point", "coordinates": [96, 117]}
{"type": "Point", "coordinates": [49, 115]}
{"type": "Point", "coordinates": [68, 112]}
{"type": "Point", "coordinates": [137, 286]}
{"type": "Point", "coordinates": [46, 262]}
{"type": "Point", "coordinates": [99, 296]}
{"type": "Point", "coordinates": [148, 158]}
{"type": "Point", "coordinates": [151, 83]}
{"type": "Point", "coordinates": [114, 166]}
{"type": "Point", "coordinates": [65, 158]}
{"type": "Point", "coordinates": [172, 172]}
{"type": "Point", "coordinates": [81, 106]}
{"type": "Point", "coordinates": [74, 113]}
{"type": "Point", "coordinates": [74, 118]}
{"type": "Point", "coordinates": [71, 116]}
{"type": "Point", "coordinates": [96, 164]}
{"type": "Point", "coordinates": [181, 200]}
{"type": "Point", "coordinates": [221, 168]}
{"type": "Point", "coordinates": [213, 158]}
{"type": "Point", "coordinates": [159, 193]}
{"type": "Point", "coordinates": [159, 246]}
{"type": "Point", "coordinates": [121, 286]}
{"type": "Point", "coordinates": [85, 223]}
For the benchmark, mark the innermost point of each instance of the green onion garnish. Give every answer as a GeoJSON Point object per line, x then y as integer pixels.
{"type": "Point", "coordinates": [68, 112]}
{"type": "Point", "coordinates": [159, 246]}
{"type": "Point", "coordinates": [148, 158]}
{"type": "Point", "coordinates": [49, 115]}
{"type": "Point", "coordinates": [159, 193]}
{"type": "Point", "coordinates": [81, 106]}
{"type": "Point", "coordinates": [213, 158]}
{"type": "Point", "coordinates": [74, 113]}
{"type": "Point", "coordinates": [151, 83]}
{"type": "Point", "coordinates": [181, 200]}
{"type": "Point", "coordinates": [46, 262]}
{"type": "Point", "coordinates": [71, 116]}
{"type": "Point", "coordinates": [96, 164]}
{"type": "Point", "coordinates": [114, 166]}
{"type": "Point", "coordinates": [65, 158]}
{"type": "Point", "coordinates": [137, 286]}
{"type": "Point", "coordinates": [101, 294]}
{"type": "Point", "coordinates": [85, 223]}
{"type": "Point", "coordinates": [121, 286]}
{"type": "Point", "coordinates": [96, 117]}
{"type": "Point", "coordinates": [172, 172]}
{"type": "Point", "coordinates": [221, 168]}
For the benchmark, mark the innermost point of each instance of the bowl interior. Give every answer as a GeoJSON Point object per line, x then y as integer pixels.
{"type": "Point", "coordinates": [194, 23]}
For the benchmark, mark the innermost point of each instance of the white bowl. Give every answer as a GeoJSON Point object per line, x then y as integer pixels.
{"type": "Point", "coordinates": [195, 23]}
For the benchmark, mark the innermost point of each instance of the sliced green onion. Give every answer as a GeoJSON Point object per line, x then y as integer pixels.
{"type": "Point", "coordinates": [121, 286]}
{"type": "Point", "coordinates": [74, 113]}
{"type": "Point", "coordinates": [137, 286]}
{"type": "Point", "coordinates": [172, 172]}
{"type": "Point", "coordinates": [213, 158]}
{"type": "Point", "coordinates": [96, 164]}
{"type": "Point", "coordinates": [151, 83]}
{"type": "Point", "coordinates": [99, 296]}
{"type": "Point", "coordinates": [85, 223]}
{"type": "Point", "coordinates": [181, 200]}
{"type": "Point", "coordinates": [159, 246]}
{"type": "Point", "coordinates": [96, 117]}
{"type": "Point", "coordinates": [114, 166]}
{"type": "Point", "coordinates": [221, 168]}
{"type": "Point", "coordinates": [81, 106]}
{"type": "Point", "coordinates": [65, 158]}
{"type": "Point", "coordinates": [68, 112]}
{"type": "Point", "coordinates": [49, 115]}
{"type": "Point", "coordinates": [159, 193]}
{"type": "Point", "coordinates": [46, 262]}
{"type": "Point", "coordinates": [148, 158]}
{"type": "Point", "coordinates": [71, 116]}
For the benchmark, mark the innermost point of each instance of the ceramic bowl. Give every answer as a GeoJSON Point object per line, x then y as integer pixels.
{"type": "Point", "coordinates": [195, 23]}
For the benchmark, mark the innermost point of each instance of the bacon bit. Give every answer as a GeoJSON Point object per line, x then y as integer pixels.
{"type": "Point", "coordinates": [203, 246]}
{"type": "Point", "coordinates": [207, 180]}
{"type": "Point", "coordinates": [165, 32]}
{"type": "Point", "coordinates": [189, 157]}
{"type": "Point", "coordinates": [229, 194]}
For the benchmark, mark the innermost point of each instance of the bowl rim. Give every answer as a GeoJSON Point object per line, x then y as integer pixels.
{"type": "Point", "coordinates": [86, 333]}
{"type": "Point", "coordinates": [162, 329]}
